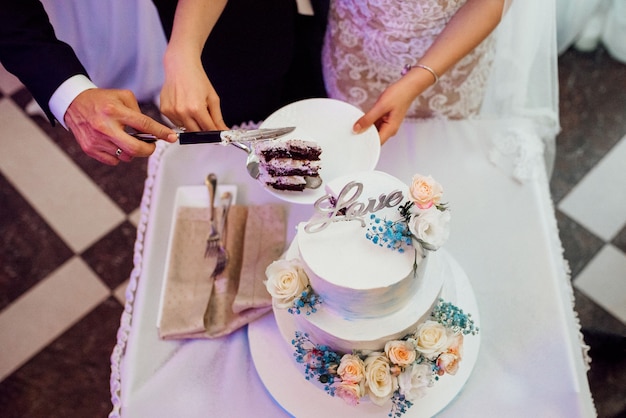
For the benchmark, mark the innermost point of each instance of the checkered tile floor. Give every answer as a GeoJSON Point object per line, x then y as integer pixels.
{"type": "Point", "coordinates": [68, 224]}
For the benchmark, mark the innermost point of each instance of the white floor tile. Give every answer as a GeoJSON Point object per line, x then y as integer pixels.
{"type": "Point", "coordinates": [9, 84]}
{"type": "Point", "coordinates": [62, 193]}
{"type": "Point", "coordinates": [135, 216]}
{"type": "Point", "coordinates": [598, 202]}
{"type": "Point", "coordinates": [47, 310]}
{"type": "Point", "coordinates": [120, 292]}
{"type": "Point", "coordinates": [604, 281]}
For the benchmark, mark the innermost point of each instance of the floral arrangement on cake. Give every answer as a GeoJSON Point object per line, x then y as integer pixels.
{"type": "Point", "coordinates": [288, 284]}
{"type": "Point", "coordinates": [402, 372]}
{"type": "Point", "coordinates": [424, 221]}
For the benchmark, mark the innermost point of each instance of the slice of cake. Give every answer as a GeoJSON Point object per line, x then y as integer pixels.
{"type": "Point", "coordinates": [292, 164]}
{"type": "Point", "coordinates": [359, 292]}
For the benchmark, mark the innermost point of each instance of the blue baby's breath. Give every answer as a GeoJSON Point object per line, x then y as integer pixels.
{"type": "Point", "coordinates": [394, 235]}
{"type": "Point", "coordinates": [307, 302]}
{"type": "Point", "coordinates": [453, 317]}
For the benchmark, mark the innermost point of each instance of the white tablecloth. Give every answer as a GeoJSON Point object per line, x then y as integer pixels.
{"type": "Point", "coordinates": [531, 361]}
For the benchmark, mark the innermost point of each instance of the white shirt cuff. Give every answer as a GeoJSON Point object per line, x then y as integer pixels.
{"type": "Point", "coordinates": [65, 95]}
{"type": "Point", "coordinates": [304, 7]}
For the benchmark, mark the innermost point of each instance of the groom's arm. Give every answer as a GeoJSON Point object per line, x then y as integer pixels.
{"type": "Point", "coordinates": [53, 74]}
{"type": "Point", "coordinates": [30, 50]}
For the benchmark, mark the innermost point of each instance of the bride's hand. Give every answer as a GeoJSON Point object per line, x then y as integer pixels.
{"type": "Point", "coordinates": [188, 98]}
{"type": "Point", "coordinates": [387, 113]}
{"type": "Point", "coordinates": [390, 109]}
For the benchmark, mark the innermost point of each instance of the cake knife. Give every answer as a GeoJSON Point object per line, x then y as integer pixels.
{"type": "Point", "coordinates": [222, 137]}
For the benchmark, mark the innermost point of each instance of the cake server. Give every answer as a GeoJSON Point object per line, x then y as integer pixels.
{"type": "Point", "coordinates": [222, 137]}
{"type": "Point", "coordinates": [252, 161]}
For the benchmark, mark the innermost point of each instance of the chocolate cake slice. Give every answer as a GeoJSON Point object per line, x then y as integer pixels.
{"type": "Point", "coordinates": [286, 164]}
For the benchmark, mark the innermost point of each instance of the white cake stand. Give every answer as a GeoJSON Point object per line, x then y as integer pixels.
{"type": "Point", "coordinates": [284, 377]}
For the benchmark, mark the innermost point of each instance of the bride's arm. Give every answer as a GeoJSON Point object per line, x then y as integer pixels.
{"type": "Point", "coordinates": [471, 24]}
{"type": "Point", "coordinates": [188, 98]}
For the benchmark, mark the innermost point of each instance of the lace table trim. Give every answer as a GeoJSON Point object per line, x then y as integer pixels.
{"type": "Point", "coordinates": [125, 321]}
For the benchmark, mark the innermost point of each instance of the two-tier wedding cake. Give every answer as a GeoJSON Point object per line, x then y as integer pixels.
{"type": "Point", "coordinates": [365, 298]}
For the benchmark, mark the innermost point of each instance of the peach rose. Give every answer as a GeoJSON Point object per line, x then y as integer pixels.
{"type": "Point", "coordinates": [431, 339]}
{"type": "Point", "coordinates": [425, 191]}
{"type": "Point", "coordinates": [448, 363]}
{"type": "Point", "coordinates": [285, 282]}
{"type": "Point", "coordinates": [380, 384]}
{"type": "Point", "coordinates": [456, 345]}
{"type": "Point", "coordinates": [351, 368]}
{"type": "Point", "coordinates": [401, 353]}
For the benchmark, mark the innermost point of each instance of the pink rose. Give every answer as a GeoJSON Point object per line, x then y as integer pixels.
{"type": "Point", "coordinates": [350, 392]}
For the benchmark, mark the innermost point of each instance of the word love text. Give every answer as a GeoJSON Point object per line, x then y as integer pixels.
{"type": "Point", "coordinates": [347, 207]}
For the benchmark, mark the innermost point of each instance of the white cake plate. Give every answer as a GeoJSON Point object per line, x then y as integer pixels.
{"type": "Point", "coordinates": [284, 377]}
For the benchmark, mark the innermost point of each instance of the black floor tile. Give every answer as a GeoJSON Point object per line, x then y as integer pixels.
{"type": "Point", "coordinates": [592, 102]}
{"type": "Point", "coordinates": [620, 240]}
{"type": "Point", "coordinates": [70, 377]}
{"type": "Point", "coordinates": [579, 245]}
{"type": "Point", "coordinates": [29, 249]}
{"type": "Point", "coordinates": [112, 256]}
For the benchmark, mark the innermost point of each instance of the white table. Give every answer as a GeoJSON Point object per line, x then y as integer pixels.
{"type": "Point", "coordinates": [504, 234]}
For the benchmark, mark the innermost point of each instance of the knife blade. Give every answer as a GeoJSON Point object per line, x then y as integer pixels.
{"type": "Point", "coordinates": [223, 137]}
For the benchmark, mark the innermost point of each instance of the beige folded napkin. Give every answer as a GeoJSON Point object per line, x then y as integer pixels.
{"type": "Point", "coordinates": [196, 305]}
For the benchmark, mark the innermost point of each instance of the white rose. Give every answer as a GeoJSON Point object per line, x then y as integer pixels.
{"type": "Point", "coordinates": [380, 384]}
{"type": "Point", "coordinates": [401, 353]}
{"type": "Point", "coordinates": [431, 339]}
{"type": "Point", "coordinates": [431, 227]}
{"type": "Point", "coordinates": [414, 381]}
{"type": "Point", "coordinates": [285, 282]}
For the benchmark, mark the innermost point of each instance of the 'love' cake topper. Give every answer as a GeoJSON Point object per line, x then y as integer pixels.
{"type": "Point", "coordinates": [347, 206]}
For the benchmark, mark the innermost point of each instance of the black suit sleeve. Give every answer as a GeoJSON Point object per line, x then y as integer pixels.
{"type": "Point", "coordinates": [30, 50]}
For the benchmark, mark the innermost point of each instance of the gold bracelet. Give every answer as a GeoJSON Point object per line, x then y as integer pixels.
{"type": "Point", "coordinates": [407, 68]}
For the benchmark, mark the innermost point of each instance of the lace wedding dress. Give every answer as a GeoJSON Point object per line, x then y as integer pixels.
{"type": "Point", "coordinates": [511, 76]}
{"type": "Point", "coordinates": [368, 43]}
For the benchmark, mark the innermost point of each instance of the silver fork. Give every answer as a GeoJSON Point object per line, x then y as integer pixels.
{"type": "Point", "coordinates": [222, 254]}
{"type": "Point", "coordinates": [213, 240]}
